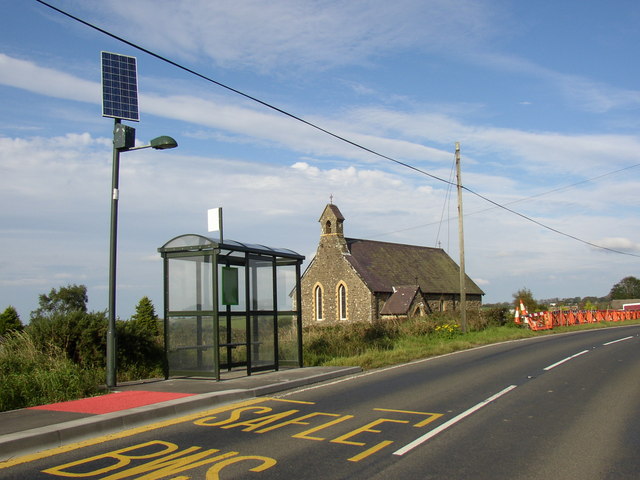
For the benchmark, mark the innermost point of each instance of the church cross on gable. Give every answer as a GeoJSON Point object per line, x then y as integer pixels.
{"type": "Point", "coordinates": [363, 280]}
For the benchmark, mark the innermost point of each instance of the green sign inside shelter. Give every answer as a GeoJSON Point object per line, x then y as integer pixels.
{"type": "Point", "coordinates": [229, 286]}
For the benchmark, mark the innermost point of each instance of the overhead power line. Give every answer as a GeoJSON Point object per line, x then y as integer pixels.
{"type": "Point", "coordinates": [537, 195]}
{"type": "Point", "coordinates": [555, 230]}
{"type": "Point", "coordinates": [239, 92]}
{"type": "Point", "coordinates": [317, 127]}
{"type": "Point", "coordinates": [565, 187]}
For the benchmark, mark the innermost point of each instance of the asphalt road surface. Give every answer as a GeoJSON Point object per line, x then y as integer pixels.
{"type": "Point", "coordinates": [557, 407]}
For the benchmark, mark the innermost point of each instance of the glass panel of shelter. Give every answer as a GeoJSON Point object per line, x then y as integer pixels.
{"type": "Point", "coordinates": [190, 323]}
{"type": "Point", "coordinates": [262, 314]}
{"type": "Point", "coordinates": [190, 286]}
{"type": "Point", "coordinates": [287, 335]}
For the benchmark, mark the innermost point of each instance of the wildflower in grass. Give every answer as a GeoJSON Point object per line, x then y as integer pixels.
{"type": "Point", "coordinates": [447, 330]}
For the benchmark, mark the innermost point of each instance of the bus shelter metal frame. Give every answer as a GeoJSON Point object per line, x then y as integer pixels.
{"type": "Point", "coordinates": [226, 254]}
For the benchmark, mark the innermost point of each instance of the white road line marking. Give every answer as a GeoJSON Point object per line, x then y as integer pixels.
{"type": "Point", "coordinates": [619, 340]}
{"type": "Point", "coordinates": [454, 420]}
{"type": "Point", "coordinates": [565, 360]}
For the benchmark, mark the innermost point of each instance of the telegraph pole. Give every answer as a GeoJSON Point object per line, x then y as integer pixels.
{"type": "Point", "coordinates": [463, 292]}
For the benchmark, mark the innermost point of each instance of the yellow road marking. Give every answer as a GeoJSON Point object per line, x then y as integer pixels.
{"type": "Point", "coordinates": [306, 433]}
{"type": "Point", "coordinates": [236, 408]}
{"type": "Point", "coordinates": [297, 421]}
{"type": "Point", "coordinates": [365, 428]}
{"type": "Point", "coordinates": [432, 416]}
{"type": "Point", "coordinates": [127, 433]}
{"type": "Point", "coordinates": [370, 451]}
{"type": "Point", "coordinates": [163, 463]}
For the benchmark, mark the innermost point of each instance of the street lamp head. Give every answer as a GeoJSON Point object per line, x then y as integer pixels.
{"type": "Point", "coordinates": [163, 143]}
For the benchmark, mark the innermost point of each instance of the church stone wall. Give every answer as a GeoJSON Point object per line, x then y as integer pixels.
{"type": "Point", "coordinates": [329, 269]}
{"type": "Point", "coordinates": [451, 302]}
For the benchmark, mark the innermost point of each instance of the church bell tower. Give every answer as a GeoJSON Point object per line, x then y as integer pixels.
{"type": "Point", "coordinates": [331, 228]}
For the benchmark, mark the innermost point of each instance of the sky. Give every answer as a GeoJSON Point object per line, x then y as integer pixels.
{"type": "Point", "coordinates": [542, 96]}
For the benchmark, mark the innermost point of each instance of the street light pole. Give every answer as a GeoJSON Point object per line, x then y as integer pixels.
{"type": "Point", "coordinates": [123, 140]}
{"type": "Point", "coordinates": [113, 248]}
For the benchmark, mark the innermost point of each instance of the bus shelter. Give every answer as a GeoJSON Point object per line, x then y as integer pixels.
{"type": "Point", "coordinates": [229, 305]}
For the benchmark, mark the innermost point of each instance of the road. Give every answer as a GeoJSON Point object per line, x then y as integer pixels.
{"type": "Point", "coordinates": [562, 406]}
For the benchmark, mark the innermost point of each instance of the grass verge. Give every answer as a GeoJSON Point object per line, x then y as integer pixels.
{"type": "Point", "coordinates": [407, 347]}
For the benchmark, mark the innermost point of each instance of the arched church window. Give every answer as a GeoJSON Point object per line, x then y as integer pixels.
{"type": "Point", "coordinates": [327, 227]}
{"type": "Point", "coordinates": [342, 301]}
{"type": "Point", "coordinates": [318, 303]}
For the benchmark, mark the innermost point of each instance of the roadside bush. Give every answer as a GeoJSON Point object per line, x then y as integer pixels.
{"type": "Point", "coordinates": [79, 335]}
{"type": "Point", "coordinates": [140, 352]}
{"type": "Point", "coordinates": [82, 337]}
{"type": "Point", "coordinates": [322, 343]}
{"type": "Point", "coordinates": [417, 327]}
{"type": "Point", "coordinates": [61, 354]}
{"type": "Point", "coordinates": [495, 316]}
{"type": "Point", "coordinates": [31, 375]}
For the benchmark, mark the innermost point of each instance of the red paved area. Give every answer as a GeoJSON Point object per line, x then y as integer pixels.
{"type": "Point", "coordinates": [112, 402]}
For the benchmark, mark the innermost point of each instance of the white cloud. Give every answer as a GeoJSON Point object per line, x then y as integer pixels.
{"type": "Point", "coordinates": [29, 76]}
{"type": "Point", "coordinates": [620, 244]}
{"type": "Point", "coordinates": [302, 34]}
{"type": "Point", "coordinates": [521, 165]}
{"type": "Point", "coordinates": [583, 93]}
{"type": "Point", "coordinates": [307, 35]}
{"type": "Point", "coordinates": [59, 190]}
{"type": "Point", "coordinates": [595, 96]}
{"type": "Point", "coordinates": [306, 168]}
{"type": "Point", "coordinates": [398, 134]}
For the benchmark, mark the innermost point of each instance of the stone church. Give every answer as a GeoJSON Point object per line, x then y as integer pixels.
{"type": "Point", "coordinates": [352, 280]}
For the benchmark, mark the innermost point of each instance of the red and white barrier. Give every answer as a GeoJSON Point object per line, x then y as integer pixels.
{"type": "Point", "coordinates": [558, 318]}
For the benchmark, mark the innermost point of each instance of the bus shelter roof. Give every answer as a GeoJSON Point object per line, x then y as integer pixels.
{"type": "Point", "coordinates": [195, 242]}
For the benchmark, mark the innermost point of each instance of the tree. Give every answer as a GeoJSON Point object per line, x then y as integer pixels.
{"type": "Point", "coordinates": [72, 298]}
{"type": "Point", "coordinates": [9, 320]}
{"type": "Point", "coordinates": [146, 317]}
{"type": "Point", "coordinates": [525, 296]}
{"type": "Point", "coordinates": [628, 287]}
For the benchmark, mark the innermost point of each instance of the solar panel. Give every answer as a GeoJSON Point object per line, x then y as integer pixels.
{"type": "Point", "coordinates": [119, 87]}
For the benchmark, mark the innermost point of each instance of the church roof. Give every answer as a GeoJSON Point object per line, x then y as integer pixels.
{"type": "Point", "coordinates": [384, 265]}
{"type": "Point", "coordinates": [333, 209]}
{"type": "Point", "coordinates": [401, 300]}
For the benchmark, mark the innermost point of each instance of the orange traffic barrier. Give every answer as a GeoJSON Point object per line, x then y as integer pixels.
{"type": "Point", "coordinates": [550, 319]}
